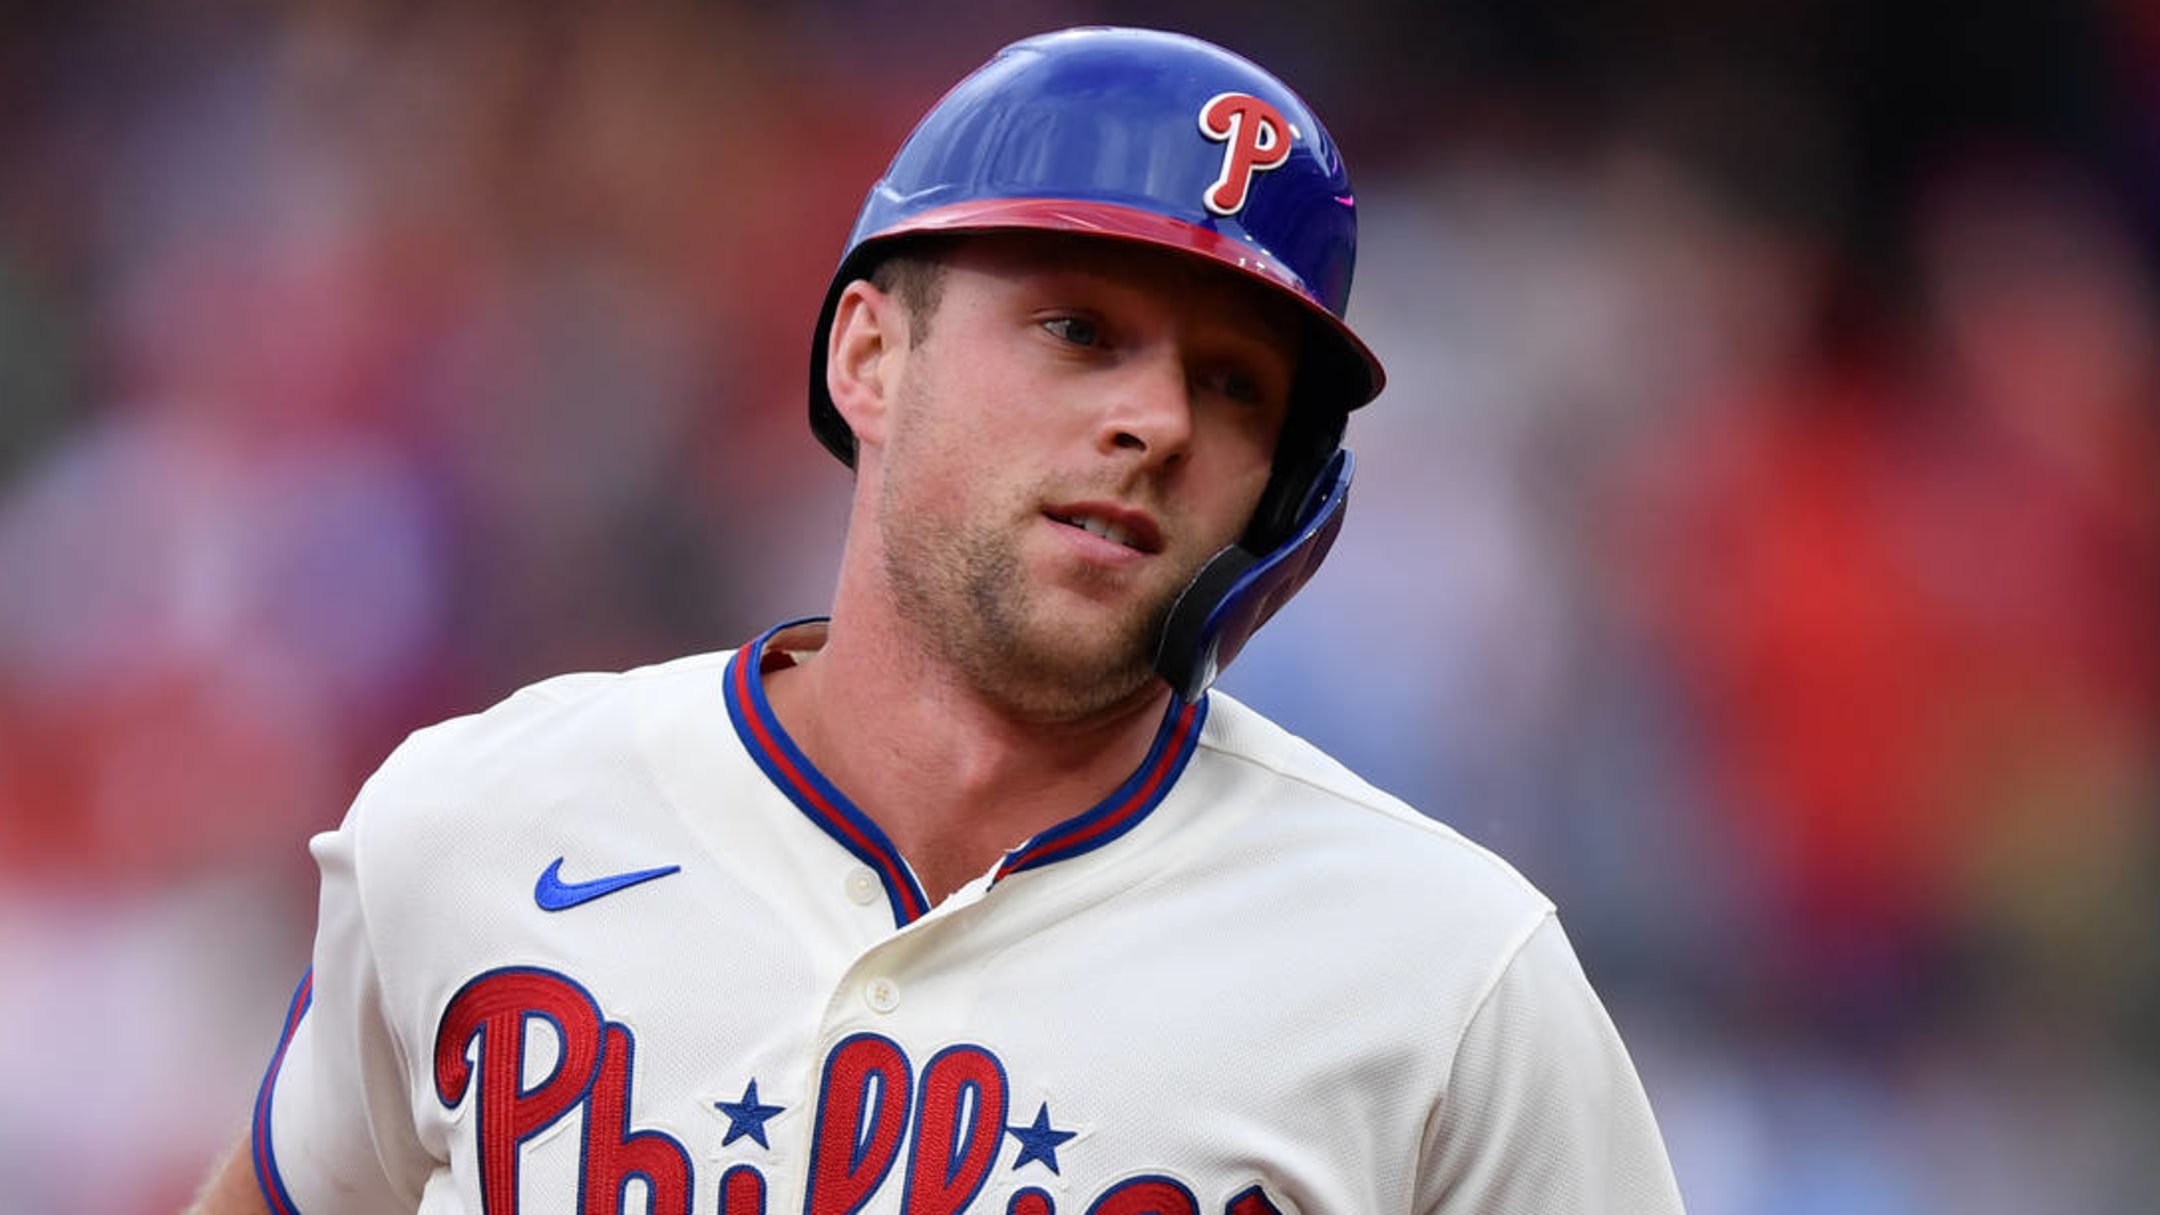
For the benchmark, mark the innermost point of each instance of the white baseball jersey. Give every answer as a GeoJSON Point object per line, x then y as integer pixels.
{"type": "Point", "coordinates": [615, 945]}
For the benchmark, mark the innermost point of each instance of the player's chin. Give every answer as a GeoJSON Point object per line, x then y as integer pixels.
{"type": "Point", "coordinates": [1107, 615]}
{"type": "Point", "coordinates": [1091, 619]}
{"type": "Point", "coordinates": [1058, 680]}
{"type": "Point", "coordinates": [1111, 642]}
{"type": "Point", "coordinates": [1079, 634]}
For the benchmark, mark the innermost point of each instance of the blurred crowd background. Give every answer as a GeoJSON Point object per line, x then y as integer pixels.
{"type": "Point", "coordinates": [1758, 542]}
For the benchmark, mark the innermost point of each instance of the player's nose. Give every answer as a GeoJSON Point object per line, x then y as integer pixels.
{"type": "Point", "coordinates": [1150, 409]}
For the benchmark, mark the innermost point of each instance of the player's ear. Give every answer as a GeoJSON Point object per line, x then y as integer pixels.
{"type": "Point", "coordinates": [862, 356]}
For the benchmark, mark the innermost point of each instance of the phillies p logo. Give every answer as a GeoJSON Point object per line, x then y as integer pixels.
{"type": "Point", "coordinates": [1255, 138]}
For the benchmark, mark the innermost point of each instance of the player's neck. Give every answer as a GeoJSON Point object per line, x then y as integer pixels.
{"type": "Point", "coordinates": [954, 780]}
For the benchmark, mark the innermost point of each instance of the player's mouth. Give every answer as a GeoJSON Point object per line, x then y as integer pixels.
{"type": "Point", "coordinates": [1130, 529]}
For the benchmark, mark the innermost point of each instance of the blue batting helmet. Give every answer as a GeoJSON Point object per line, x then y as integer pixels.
{"type": "Point", "coordinates": [1133, 135]}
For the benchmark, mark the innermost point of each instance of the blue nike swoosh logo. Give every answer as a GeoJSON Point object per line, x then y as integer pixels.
{"type": "Point", "coordinates": [554, 894]}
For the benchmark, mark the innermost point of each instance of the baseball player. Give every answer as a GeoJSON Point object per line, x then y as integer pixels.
{"type": "Point", "coordinates": [972, 897]}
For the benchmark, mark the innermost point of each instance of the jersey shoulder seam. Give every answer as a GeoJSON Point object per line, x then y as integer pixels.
{"type": "Point", "coordinates": [1390, 808]}
{"type": "Point", "coordinates": [1505, 960]}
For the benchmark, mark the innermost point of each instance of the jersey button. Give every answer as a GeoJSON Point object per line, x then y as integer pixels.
{"type": "Point", "coordinates": [882, 995]}
{"type": "Point", "coordinates": [862, 886]}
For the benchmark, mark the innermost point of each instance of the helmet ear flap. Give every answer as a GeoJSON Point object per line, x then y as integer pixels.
{"type": "Point", "coordinates": [1242, 586]}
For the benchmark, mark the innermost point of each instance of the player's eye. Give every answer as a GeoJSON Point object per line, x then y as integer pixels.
{"type": "Point", "coordinates": [1075, 330]}
{"type": "Point", "coordinates": [1235, 384]}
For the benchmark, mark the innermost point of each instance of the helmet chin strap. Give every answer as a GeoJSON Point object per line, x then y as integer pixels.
{"type": "Point", "coordinates": [1238, 589]}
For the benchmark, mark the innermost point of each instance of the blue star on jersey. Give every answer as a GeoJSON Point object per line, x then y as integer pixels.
{"type": "Point", "coordinates": [748, 1116]}
{"type": "Point", "coordinates": [1039, 1140]}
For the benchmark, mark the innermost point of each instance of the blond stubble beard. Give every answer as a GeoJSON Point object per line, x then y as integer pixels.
{"type": "Point", "coordinates": [965, 593]}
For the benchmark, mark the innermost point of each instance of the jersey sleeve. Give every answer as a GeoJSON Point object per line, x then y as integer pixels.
{"type": "Point", "coordinates": [333, 1123]}
{"type": "Point", "coordinates": [1544, 1113]}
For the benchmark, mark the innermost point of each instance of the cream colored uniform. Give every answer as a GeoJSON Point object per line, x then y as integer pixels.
{"type": "Point", "coordinates": [1245, 982]}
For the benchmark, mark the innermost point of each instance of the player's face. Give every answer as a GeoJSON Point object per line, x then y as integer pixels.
{"type": "Point", "coordinates": [1083, 426]}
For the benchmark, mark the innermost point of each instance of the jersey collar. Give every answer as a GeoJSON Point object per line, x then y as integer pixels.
{"type": "Point", "coordinates": [822, 802]}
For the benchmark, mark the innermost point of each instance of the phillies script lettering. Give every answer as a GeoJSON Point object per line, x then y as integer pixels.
{"type": "Point", "coordinates": [938, 1133]}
